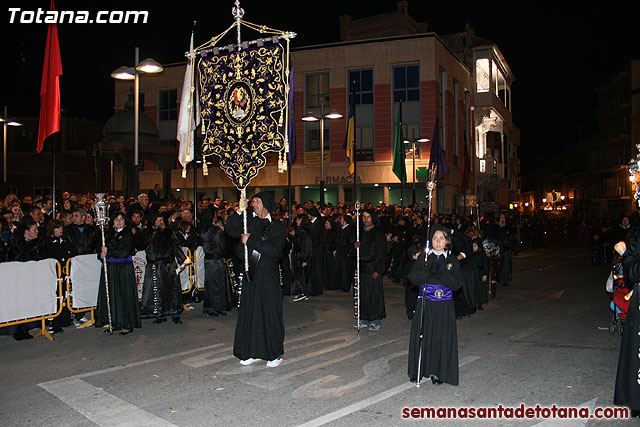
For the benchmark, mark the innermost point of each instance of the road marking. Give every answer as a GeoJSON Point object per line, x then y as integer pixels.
{"type": "Point", "coordinates": [203, 359]}
{"type": "Point", "coordinates": [371, 400]}
{"type": "Point", "coordinates": [101, 407]}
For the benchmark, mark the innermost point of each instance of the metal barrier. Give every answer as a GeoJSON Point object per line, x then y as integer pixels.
{"type": "Point", "coordinates": [59, 300]}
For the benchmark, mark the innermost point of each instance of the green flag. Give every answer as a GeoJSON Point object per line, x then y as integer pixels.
{"type": "Point", "coordinates": [399, 167]}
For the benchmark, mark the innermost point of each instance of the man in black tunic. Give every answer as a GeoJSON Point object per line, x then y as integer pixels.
{"type": "Point", "coordinates": [260, 328]}
{"type": "Point", "coordinates": [372, 259]}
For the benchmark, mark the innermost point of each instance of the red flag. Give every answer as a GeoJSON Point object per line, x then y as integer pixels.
{"type": "Point", "coordinates": [50, 111]}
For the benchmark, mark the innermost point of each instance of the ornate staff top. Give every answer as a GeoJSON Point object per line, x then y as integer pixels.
{"type": "Point", "coordinates": [101, 208]}
{"type": "Point", "coordinates": [634, 172]}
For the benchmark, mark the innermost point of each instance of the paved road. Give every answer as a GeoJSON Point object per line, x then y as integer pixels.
{"type": "Point", "coordinates": [541, 341]}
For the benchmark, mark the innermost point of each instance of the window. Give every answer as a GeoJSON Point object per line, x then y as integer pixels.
{"type": "Point", "coordinates": [364, 111]}
{"type": "Point", "coordinates": [317, 102]}
{"type": "Point", "coordinates": [482, 75]}
{"type": "Point", "coordinates": [406, 88]}
{"type": "Point", "coordinates": [167, 106]}
{"type": "Point", "coordinates": [443, 116]}
{"type": "Point", "coordinates": [39, 192]}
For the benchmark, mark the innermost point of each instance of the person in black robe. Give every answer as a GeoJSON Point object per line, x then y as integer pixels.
{"type": "Point", "coordinates": [215, 270]}
{"type": "Point", "coordinates": [119, 250]}
{"type": "Point", "coordinates": [504, 236]}
{"type": "Point", "coordinates": [438, 279]}
{"type": "Point", "coordinates": [316, 230]}
{"type": "Point", "coordinates": [482, 273]}
{"type": "Point", "coordinates": [345, 253]}
{"type": "Point", "coordinates": [162, 291]}
{"type": "Point", "coordinates": [328, 244]}
{"type": "Point", "coordinates": [411, 289]}
{"type": "Point", "coordinates": [627, 388]}
{"type": "Point", "coordinates": [372, 263]}
{"type": "Point", "coordinates": [464, 297]}
{"type": "Point", "coordinates": [260, 328]}
{"type": "Point", "coordinates": [300, 258]}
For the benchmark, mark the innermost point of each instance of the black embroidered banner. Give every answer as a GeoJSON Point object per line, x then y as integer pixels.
{"type": "Point", "coordinates": [243, 99]}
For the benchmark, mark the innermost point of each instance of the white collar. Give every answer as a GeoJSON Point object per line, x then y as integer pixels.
{"type": "Point", "coordinates": [431, 251]}
{"type": "Point", "coordinates": [314, 219]}
{"type": "Point", "coordinates": [268, 217]}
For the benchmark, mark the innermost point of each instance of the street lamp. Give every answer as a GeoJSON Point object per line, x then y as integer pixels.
{"type": "Point", "coordinates": [311, 117]}
{"type": "Point", "coordinates": [6, 121]}
{"type": "Point", "coordinates": [133, 73]}
{"type": "Point", "coordinates": [413, 150]}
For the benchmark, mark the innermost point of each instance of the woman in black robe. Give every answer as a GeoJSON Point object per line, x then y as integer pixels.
{"type": "Point", "coordinates": [123, 291]}
{"type": "Point", "coordinates": [345, 253]}
{"type": "Point", "coordinates": [438, 279]}
{"type": "Point", "coordinates": [60, 248]}
{"type": "Point", "coordinates": [162, 291]}
{"type": "Point", "coordinates": [482, 273]}
{"type": "Point", "coordinates": [627, 389]}
{"type": "Point", "coordinates": [215, 270]}
{"type": "Point", "coordinates": [300, 259]}
{"type": "Point", "coordinates": [260, 327]}
{"type": "Point", "coordinates": [504, 237]}
{"type": "Point", "coordinates": [372, 263]}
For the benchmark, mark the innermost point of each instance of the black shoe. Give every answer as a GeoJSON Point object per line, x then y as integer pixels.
{"type": "Point", "coordinates": [160, 320]}
{"type": "Point", "coordinates": [26, 335]}
{"type": "Point", "coordinates": [177, 321]}
{"type": "Point", "coordinates": [222, 313]}
{"type": "Point", "coordinates": [480, 307]}
{"type": "Point", "coordinates": [57, 329]}
{"type": "Point", "coordinates": [435, 380]}
{"type": "Point", "coordinates": [18, 336]}
{"type": "Point", "coordinates": [213, 314]}
{"type": "Point", "coordinates": [635, 414]}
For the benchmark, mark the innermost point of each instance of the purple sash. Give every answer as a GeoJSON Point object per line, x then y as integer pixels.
{"type": "Point", "coordinates": [435, 293]}
{"type": "Point", "coordinates": [121, 260]}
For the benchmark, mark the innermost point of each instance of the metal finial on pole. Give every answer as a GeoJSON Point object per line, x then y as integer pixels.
{"type": "Point", "coordinates": [101, 209]}
{"type": "Point", "coordinates": [238, 13]}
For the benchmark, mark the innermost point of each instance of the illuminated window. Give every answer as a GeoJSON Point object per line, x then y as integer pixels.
{"type": "Point", "coordinates": [317, 102]}
{"type": "Point", "coordinates": [483, 165]}
{"type": "Point", "coordinates": [364, 111]}
{"type": "Point", "coordinates": [482, 75]}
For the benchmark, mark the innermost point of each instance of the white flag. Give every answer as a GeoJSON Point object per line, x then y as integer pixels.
{"type": "Point", "coordinates": [186, 122]}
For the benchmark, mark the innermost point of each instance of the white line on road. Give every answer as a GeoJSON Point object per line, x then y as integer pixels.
{"type": "Point", "coordinates": [101, 407]}
{"type": "Point", "coordinates": [525, 333]}
{"type": "Point", "coordinates": [371, 400]}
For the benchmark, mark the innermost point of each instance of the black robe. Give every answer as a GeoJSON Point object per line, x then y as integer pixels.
{"type": "Point", "coordinates": [464, 297]}
{"type": "Point", "coordinates": [328, 244]}
{"type": "Point", "coordinates": [482, 269]}
{"type": "Point", "coordinates": [345, 257]}
{"type": "Point", "coordinates": [440, 347]}
{"type": "Point", "coordinates": [26, 250]}
{"type": "Point", "coordinates": [84, 242]}
{"type": "Point", "coordinates": [123, 291]}
{"type": "Point", "coordinates": [317, 258]}
{"type": "Point", "coordinates": [372, 259]}
{"type": "Point", "coordinates": [300, 253]}
{"type": "Point", "coordinates": [260, 327]}
{"type": "Point", "coordinates": [215, 270]}
{"type": "Point", "coordinates": [627, 389]}
{"type": "Point", "coordinates": [162, 292]}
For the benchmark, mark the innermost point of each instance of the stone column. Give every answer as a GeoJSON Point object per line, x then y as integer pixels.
{"type": "Point", "coordinates": [297, 194]}
{"type": "Point", "coordinates": [385, 194]}
{"type": "Point", "coordinates": [340, 193]}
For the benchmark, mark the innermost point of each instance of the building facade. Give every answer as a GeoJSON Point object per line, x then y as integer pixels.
{"type": "Point", "coordinates": [464, 100]}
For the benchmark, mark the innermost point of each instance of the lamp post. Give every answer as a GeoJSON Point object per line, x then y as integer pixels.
{"type": "Point", "coordinates": [413, 150]}
{"type": "Point", "coordinates": [311, 117]}
{"type": "Point", "coordinates": [6, 121]}
{"type": "Point", "coordinates": [133, 73]}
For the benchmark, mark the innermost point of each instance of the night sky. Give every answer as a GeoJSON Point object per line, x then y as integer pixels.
{"type": "Point", "coordinates": [557, 53]}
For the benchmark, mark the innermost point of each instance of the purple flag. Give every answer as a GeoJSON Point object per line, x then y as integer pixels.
{"type": "Point", "coordinates": [437, 156]}
{"type": "Point", "coordinates": [292, 122]}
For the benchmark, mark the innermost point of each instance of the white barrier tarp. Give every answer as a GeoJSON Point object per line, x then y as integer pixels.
{"type": "Point", "coordinates": [184, 275]}
{"type": "Point", "coordinates": [85, 280]}
{"type": "Point", "coordinates": [28, 289]}
{"type": "Point", "coordinates": [200, 268]}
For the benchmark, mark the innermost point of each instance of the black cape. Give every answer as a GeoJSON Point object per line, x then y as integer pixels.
{"type": "Point", "coordinates": [215, 270]}
{"type": "Point", "coordinates": [372, 260]}
{"type": "Point", "coordinates": [440, 347]}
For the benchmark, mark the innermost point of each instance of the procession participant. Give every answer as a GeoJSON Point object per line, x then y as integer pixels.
{"type": "Point", "coordinates": [345, 253]}
{"type": "Point", "coordinates": [328, 244]}
{"type": "Point", "coordinates": [61, 249]}
{"type": "Point", "coordinates": [161, 291]}
{"type": "Point", "coordinates": [316, 230]}
{"type": "Point", "coordinates": [438, 278]}
{"type": "Point", "coordinates": [482, 273]}
{"type": "Point", "coordinates": [300, 259]}
{"type": "Point", "coordinates": [215, 271]}
{"type": "Point", "coordinates": [123, 292]}
{"type": "Point", "coordinates": [372, 246]}
{"type": "Point", "coordinates": [260, 327]}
